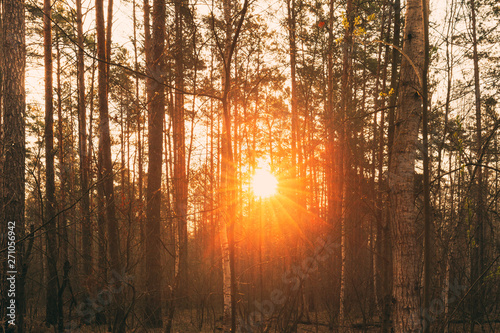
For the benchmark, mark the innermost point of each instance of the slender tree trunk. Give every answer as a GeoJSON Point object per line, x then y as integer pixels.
{"type": "Point", "coordinates": [401, 176]}
{"type": "Point", "coordinates": [386, 241]}
{"type": "Point", "coordinates": [105, 165]}
{"type": "Point", "coordinates": [63, 232]}
{"type": "Point", "coordinates": [62, 227]}
{"type": "Point", "coordinates": [140, 137]}
{"type": "Point", "coordinates": [84, 157]}
{"type": "Point", "coordinates": [101, 208]}
{"type": "Point", "coordinates": [477, 257]}
{"type": "Point", "coordinates": [228, 172]}
{"type": "Point", "coordinates": [449, 75]}
{"type": "Point", "coordinates": [62, 164]}
{"type": "Point", "coordinates": [425, 153]}
{"type": "Point", "coordinates": [181, 285]}
{"type": "Point", "coordinates": [227, 218]}
{"type": "Point", "coordinates": [334, 164]}
{"type": "Point", "coordinates": [179, 138]}
{"type": "Point", "coordinates": [294, 171]}
{"type": "Point", "coordinates": [3, 241]}
{"type": "Point", "coordinates": [448, 255]}
{"type": "Point", "coordinates": [137, 200]}
{"type": "Point", "coordinates": [347, 169]}
{"type": "Point", "coordinates": [14, 108]}
{"type": "Point", "coordinates": [2, 158]}
{"type": "Point", "coordinates": [147, 53]}
{"type": "Point", "coordinates": [156, 115]}
{"type": "Point", "coordinates": [377, 152]}
{"type": "Point", "coordinates": [394, 77]}
{"type": "Point", "coordinates": [293, 65]}
{"type": "Point", "coordinates": [109, 26]}
{"type": "Point", "coordinates": [295, 168]}
{"type": "Point", "coordinates": [50, 205]}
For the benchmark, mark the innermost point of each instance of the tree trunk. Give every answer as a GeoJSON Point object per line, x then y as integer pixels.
{"type": "Point", "coordinates": [293, 65]}
{"type": "Point", "coordinates": [394, 77]}
{"type": "Point", "coordinates": [84, 158]}
{"type": "Point", "coordinates": [105, 163]}
{"type": "Point", "coordinates": [329, 171]}
{"type": "Point", "coordinates": [64, 252]}
{"type": "Point", "coordinates": [227, 218]}
{"type": "Point", "coordinates": [450, 231]}
{"type": "Point", "coordinates": [386, 241]}
{"type": "Point", "coordinates": [334, 164]}
{"type": "Point", "coordinates": [156, 115]}
{"type": "Point", "coordinates": [61, 219]}
{"type": "Point", "coordinates": [180, 180]}
{"type": "Point", "coordinates": [348, 174]}
{"type": "Point", "coordinates": [477, 256]}
{"type": "Point", "coordinates": [14, 108]}
{"type": "Point", "coordinates": [426, 166]}
{"type": "Point", "coordinates": [181, 285]}
{"type": "Point", "coordinates": [141, 135]}
{"type": "Point", "coordinates": [378, 152]}
{"type": "Point", "coordinates": [401, 176]}
{"type": "Point", "coordinates": [50, 204]}
{"type": "Point", "coordinates": [295, 167]}
{"type": "Point", "coordinates": [228, 172]}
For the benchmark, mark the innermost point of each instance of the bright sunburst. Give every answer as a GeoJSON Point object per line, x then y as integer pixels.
{"type": "Point", "coordinates": [264, 184]}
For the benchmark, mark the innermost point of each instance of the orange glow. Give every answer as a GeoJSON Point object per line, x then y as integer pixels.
{"type": "Point", "coordinates": [264, 184]}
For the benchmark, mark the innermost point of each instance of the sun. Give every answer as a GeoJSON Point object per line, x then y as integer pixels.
{"type": "Point", "coordinates": [264, 184]}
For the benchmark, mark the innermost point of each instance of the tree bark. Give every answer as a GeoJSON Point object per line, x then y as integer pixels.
{"type": "Point", "coordinates": [293, 65]}
{"type": "Point", "coordinates": [50, 187]}
{"type": "Point", "coordinates": [426, 166]}
{"type": "Point", "coordinates": [334, 164]}
{"type": "Point", "coordinates": [84, 158]}
{"type": "Point", "coordinates": [63, 230]}
{"type": "Point", "coordinates": [394, 77]}
{"type": "Point", "coordinates": [478, 256]}
{"type": "Point", "coordinates": [401, 177]}
{"type": "Point", "coordinates": [227, 216]}
{"type": "Point", "coordinates": [348, 174]}
{"type": "Point", "coordinates": [229, 182]}
{"type": "Point", "coordinates": [141, 135]}
{"type": "Point", "coordinates": [386, 240]}
{"type": "Point", "coordinates": [105, 162]}
{"type": "Point", "coordinates": [14, 138]}
{"type": "Point", "coordinates": [156, 115]}
{"type": "Point", "coordinates": [179, 138]}
{"type": "Point", "coordinates": [181, 285]}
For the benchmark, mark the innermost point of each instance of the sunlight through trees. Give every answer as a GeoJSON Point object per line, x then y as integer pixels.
{"type": "Point", "coordinates": [264, 184]}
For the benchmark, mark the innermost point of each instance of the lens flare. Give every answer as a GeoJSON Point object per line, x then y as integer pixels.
{"type": "Point", "coordinates": [264, 184]}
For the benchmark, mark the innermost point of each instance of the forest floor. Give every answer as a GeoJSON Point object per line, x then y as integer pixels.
{"type": "Point", "coordinates": [188, 322]}
{"type": "Point", "coordinates": [302, 328]}
{"type": "Point", "coordinates": [183, 324]}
